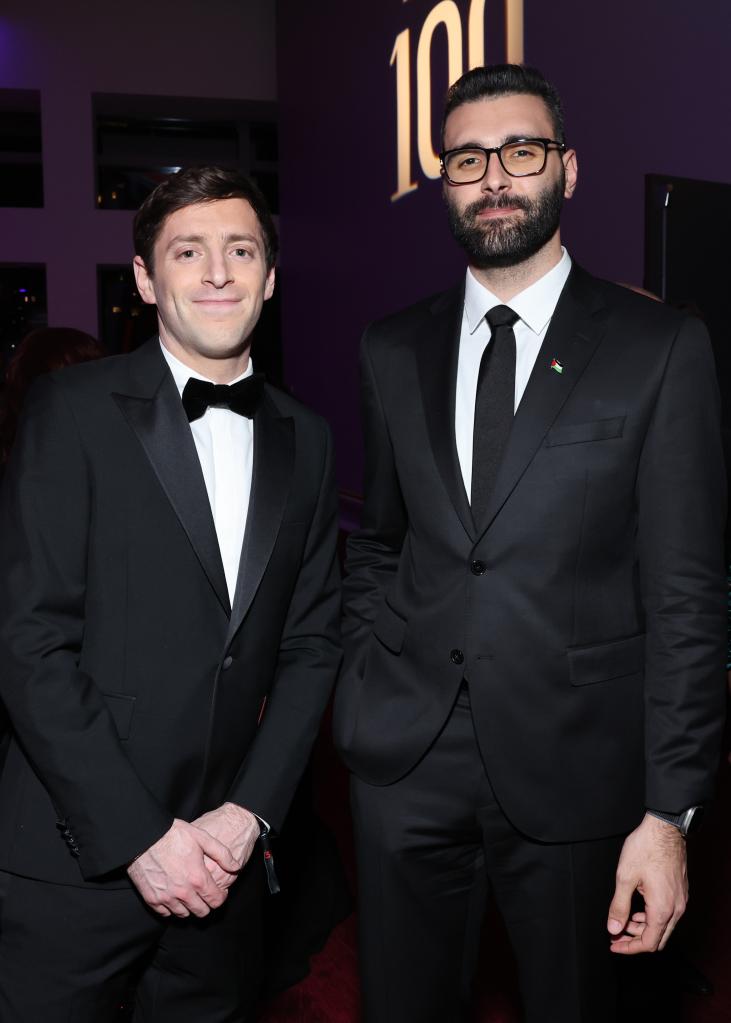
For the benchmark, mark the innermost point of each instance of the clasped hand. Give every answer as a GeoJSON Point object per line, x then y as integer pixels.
{"type": "Point", "coordinates": [190, 869]}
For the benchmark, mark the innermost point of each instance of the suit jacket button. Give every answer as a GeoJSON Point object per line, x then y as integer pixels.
{"type": "Point", "coordinates": [456, 656]}
{"type": "Point", "coordinates": [227, 662]}
{"type": "Point", "coordinates": [478, 568]}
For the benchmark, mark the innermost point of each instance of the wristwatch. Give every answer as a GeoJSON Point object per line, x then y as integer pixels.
{"type": "Point", "coordinates": [686, 822]}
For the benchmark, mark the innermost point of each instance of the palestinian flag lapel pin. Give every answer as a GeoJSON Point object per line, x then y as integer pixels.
{"type": "Point", "coordinates": [556, 366]}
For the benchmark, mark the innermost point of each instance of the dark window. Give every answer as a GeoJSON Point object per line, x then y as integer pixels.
{"type": "Point", "coordinates": [22, 304]}
{"type": "Point", "coordinates": [140, 139]}
{"type": "Point", "coordinates": [125, 321]}
{"type": "Point", "coordinates": [21, 168]}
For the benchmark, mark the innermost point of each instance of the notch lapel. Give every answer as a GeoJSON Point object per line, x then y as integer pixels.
{"type": "Point", "coordinates": [274, 449]}
{"type": "Point", "coordinates": [576, 328]}
{"type": "Point", "coordinates": [155, 413]}
{"type": "Point", "coordinates": [437, 356]}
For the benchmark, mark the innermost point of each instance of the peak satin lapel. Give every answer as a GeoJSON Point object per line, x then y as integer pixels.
{"type": "Point", "coordinates": [576, 328]}
{"type": "Point", "coordinates": [436, 357]}
{"type": "Point", "coordinates": [162, 428]}
{"type": "Point", "coordinates": [271, 479]}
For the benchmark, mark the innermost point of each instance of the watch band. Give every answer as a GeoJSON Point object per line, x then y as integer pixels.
{"type": "Point", "coordinates": [686, 822]}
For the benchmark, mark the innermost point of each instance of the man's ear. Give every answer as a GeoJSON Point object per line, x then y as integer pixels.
{"type": "Point", "coordinates": [145, 283]}
{"type": "Point", "coordinates": [571, 167]}
{"type": "Point", "coordinates": [269, 285]}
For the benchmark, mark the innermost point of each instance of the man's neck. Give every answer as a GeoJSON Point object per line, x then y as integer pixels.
{"type": "Point", "coordinates": [220, 371]}
{"type": "Point", "coordinates": [508, 281]}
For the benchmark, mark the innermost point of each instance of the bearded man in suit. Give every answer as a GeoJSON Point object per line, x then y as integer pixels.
{"type": "Point", "coordinates": [532, 697]}
{"type": "Point", "coordinates": [168, 602]}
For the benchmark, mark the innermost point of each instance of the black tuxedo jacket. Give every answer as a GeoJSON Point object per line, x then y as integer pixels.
{"type": "Point", "coordinates": [587, 610]}
{"type": "Point", "coordinates": [135, 692]}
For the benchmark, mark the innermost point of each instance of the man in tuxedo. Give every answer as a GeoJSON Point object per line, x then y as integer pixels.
{"type": "Point", "coordinates": [532, 695]}
{"type": "Point", "coordinates": [168, 638]}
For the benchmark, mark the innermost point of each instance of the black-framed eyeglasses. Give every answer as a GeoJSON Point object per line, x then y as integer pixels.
{"type": "Point", "coordinates": [519, 158]}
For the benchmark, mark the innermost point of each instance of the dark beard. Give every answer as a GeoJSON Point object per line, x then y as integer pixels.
{"type": "Point", "coordinates": [506, 242]}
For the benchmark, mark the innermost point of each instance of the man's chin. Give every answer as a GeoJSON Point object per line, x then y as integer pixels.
{"type": "Point", "coordinates": [226, 338]}
{"type": "Point", "coordinates": [499, 250]}
{"type": "Point", "coordinates": [494, 261]}
{"type": "Point", "coordinates": [496, 257]}
{"type": "Point", "coordinates": [221, 346]}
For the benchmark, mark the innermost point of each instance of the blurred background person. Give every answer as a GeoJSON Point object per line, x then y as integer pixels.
{"type": "Point", "coordinates": [41, 351]}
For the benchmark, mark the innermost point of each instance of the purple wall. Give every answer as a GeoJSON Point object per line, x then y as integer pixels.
{"type": "Point", "coordinates": [69, 51]}
{"type": "Point", "coordinates": [645, 89]}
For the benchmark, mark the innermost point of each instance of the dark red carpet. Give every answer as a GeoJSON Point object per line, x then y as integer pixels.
{"type": "Point", "coordinates": [330, 993]}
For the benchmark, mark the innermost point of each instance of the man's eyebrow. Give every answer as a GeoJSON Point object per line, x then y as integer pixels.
{"type": "Point", "coordinates": [467, 145]}
{"type": "Point", "coordinates": [180, 238]}
{"type": "Point", "coordinates": [239, 237]}
{"type": "Point", "coordinates": [525, 136]}
{"type": "Point", "coordinates": [201, 239]}
{"type": "Point", "coordinates": [474, 144]}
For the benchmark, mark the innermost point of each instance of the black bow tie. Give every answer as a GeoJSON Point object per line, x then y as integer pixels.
{"type": "Point", "coordinates": [242, 397]}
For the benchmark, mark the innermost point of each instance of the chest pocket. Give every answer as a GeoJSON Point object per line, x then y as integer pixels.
{"type": "Point", "coordinates": [581, 433]}
{"type": "Point", "coordinates": [604, 661]}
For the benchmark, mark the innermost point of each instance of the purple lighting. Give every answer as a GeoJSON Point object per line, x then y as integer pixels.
{"type": "Point", "coordinates": [5, 37]}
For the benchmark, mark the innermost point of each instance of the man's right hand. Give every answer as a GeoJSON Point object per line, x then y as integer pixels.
{"type": "Point", "coordinates": [171, 875]}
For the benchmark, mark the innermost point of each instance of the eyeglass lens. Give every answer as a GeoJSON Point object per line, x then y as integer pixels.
{"type": "Point", "coordinates": [517, 158]}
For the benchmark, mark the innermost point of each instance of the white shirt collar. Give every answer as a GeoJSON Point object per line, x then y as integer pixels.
{"type": "Point", "coordinates": [182, 373]}
{"type": "Point", "coordinates": [534, 306]}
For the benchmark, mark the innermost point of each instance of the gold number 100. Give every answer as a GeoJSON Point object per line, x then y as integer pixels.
{"type": "Point", "coordinates": [444, 13]}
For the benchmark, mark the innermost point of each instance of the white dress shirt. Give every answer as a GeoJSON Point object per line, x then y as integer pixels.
{"type": "Point", "coordinates": [224, 441]}
{"type": "Point", "coordinates": [535, 307]}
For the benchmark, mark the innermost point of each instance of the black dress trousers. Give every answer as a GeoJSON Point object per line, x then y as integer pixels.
{"type": "Point", "coordinates": [430, 846]}
{"type": "Point", "coordinates": [75, 955]}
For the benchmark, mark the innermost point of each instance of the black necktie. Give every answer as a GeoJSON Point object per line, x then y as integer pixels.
{"type": "Point", "coordinates": [494, 407]}
{"type": "Point", "coordinates": [242, 397]}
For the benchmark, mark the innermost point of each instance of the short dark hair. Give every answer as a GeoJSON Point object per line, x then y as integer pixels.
{"type": "Point", "coordinates": [193, 185]}
{"type": "Point", "coordinates": [505, 80]}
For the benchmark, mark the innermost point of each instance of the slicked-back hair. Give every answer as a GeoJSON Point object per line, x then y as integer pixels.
{"type": "Point", "coordinates": [189, 187]}
{"type": "Point", "coordinates": [505, 80]}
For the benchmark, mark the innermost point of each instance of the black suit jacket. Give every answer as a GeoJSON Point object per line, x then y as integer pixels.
{"type": "Point", "coordinates": [135, 691]}
{"type": "Point", "coordinates": [587, 611]}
